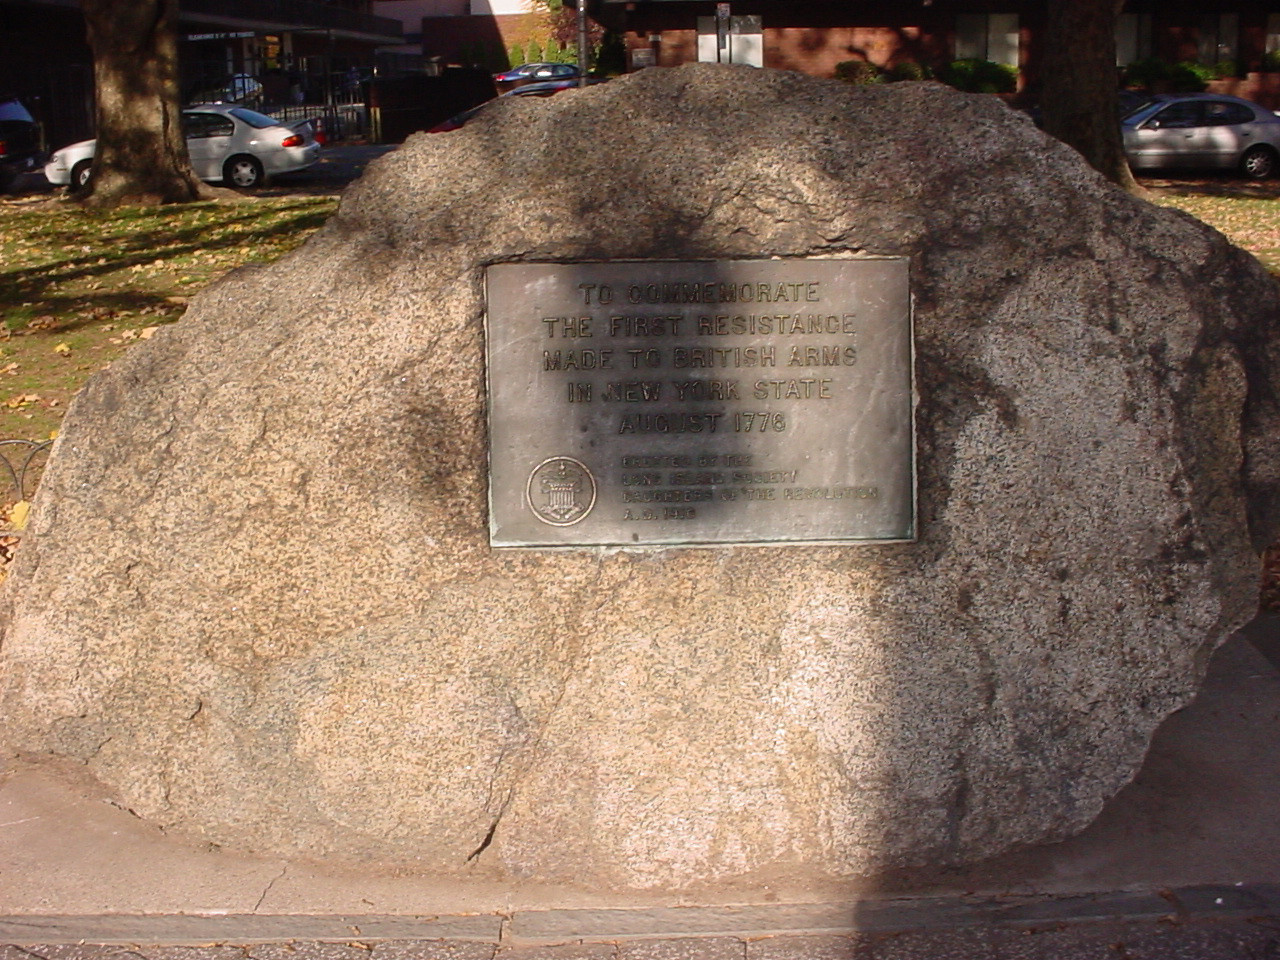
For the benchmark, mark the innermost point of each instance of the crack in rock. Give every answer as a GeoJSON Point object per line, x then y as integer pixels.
{"type": "Point", "coordinates": [257, 906]}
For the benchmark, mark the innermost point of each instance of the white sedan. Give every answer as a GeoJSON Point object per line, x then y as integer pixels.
{"type": "Point", "coordinates": [1202, 130]}
{"type": "Point", "coordinates": [236, 145]}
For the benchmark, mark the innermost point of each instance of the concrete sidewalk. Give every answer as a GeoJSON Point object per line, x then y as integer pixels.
{"type": "Point", "coordinates": [1185, 862]}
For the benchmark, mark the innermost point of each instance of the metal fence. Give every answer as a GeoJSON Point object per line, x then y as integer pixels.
{"type": "Point", "coordinates": [21, 464]}
{"type": "Point", "coordinates": [331, 91]}
{"type": "Point", "coordinates": [338, 122]}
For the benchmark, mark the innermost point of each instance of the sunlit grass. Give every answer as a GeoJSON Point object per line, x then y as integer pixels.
{"type": "Point", "coordinates": [78, 287]}
{"type": "Point", "coordinates": [1249, 220]}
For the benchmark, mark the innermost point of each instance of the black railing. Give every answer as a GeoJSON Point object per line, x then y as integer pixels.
{"type": "Point", "coordinates": [21, 464]}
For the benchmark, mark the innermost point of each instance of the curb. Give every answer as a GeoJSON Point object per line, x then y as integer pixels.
{"type": "Point", "coordinates": [744, 922]}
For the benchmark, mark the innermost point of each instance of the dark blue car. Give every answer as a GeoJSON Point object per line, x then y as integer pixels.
{"type": "Point", "coordinates": [19, 141]}
{"type": "Point", "coordinates": [535, 72]}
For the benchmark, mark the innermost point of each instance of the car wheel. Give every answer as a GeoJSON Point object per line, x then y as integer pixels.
{"type": "Point", "coordinates": [80, 175]}
{"type": "Point", "coordinates": [1258, 163]}
{"type": "Point", "coordinates": [243, 171]}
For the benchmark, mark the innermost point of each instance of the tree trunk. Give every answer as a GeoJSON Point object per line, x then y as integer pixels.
{"type": "Point", "coordinates": [141, 154]}
{"type": "Point", "coordinates": [1078, 98]}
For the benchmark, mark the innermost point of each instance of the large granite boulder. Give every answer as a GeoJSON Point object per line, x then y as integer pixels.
{"type": "Point", "coordinates": [257, 597]}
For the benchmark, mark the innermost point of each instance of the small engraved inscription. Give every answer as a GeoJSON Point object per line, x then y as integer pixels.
{"type": "Point", "coordinates": [674, 403]}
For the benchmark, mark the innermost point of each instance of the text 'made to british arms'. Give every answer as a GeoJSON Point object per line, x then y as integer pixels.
{"type": "Point", "coordinates": [700, 402]}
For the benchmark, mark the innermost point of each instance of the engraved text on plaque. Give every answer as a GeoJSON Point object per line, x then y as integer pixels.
{"type": "Point", "coordinates": [700, 402]}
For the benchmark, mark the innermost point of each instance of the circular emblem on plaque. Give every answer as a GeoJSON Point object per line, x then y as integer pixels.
{"type": "Point", "coordinates": [561, 491]}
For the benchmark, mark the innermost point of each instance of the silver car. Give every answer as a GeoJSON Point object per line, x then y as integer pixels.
{"type": "Point", "coordinates": [1202, 130]}
{"type": "Point", "coordinates": [234, 144]}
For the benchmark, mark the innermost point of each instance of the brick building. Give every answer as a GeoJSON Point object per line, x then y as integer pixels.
{"type": "Point", "coordinates": [812, 36]}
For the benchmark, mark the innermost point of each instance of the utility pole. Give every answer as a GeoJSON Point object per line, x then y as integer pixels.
{"type": "Point", "coordinates": [723, 53]}
{"type": "Point", "coordinates": [584, 45]}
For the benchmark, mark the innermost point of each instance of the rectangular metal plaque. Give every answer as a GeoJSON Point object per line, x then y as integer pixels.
{"type": "Point", "coordinates": [700, 402]}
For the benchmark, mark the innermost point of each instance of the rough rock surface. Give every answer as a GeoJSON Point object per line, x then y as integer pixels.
{"type": "Point", "coordinates": [257, 598]}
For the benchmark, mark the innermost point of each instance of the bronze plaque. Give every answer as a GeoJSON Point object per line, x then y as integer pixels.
{"type": "Point", "coordinates": [672, 403]}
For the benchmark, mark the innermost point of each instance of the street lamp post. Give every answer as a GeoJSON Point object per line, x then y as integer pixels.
{"type": "Point", "coordinates": [584, 46]}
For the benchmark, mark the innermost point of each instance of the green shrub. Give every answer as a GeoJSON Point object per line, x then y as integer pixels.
{"type": "Point", "coordinates": [907, 70]}
{"type": "Point", "coordinates": [980, 76]}
{"type": "Point", "coordinates": [858, 71]}
{"type": "Point", "coordinates": [1271, 60]}
{"type": "Point", "coordinates": [1149, 74]}
{"type": "Point", "coordinates": [1189, 77]}
{"type": "Point", "coordinates": [559, 54]}
{"type": "Point", "coordinates": [1225, 69]}
{"type": "Point", "coordinates": [533, 52]}
{"type": "Point", "coordinates": [1161, 76]}
{"type": "Point", "coordinates": [515, 56]}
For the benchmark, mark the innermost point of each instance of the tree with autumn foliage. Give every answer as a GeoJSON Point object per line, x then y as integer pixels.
{"type": "Point", "coordinates": [141, 153]}
{"type": "Point", "coordinates": [1078, 93]}
{"type": "Point", "coordinates": [562, 22]}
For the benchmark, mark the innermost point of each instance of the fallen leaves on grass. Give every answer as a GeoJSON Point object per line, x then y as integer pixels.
{"type": "Point", "coordinates": [8, 545]}
{"type": "Point", "coordinates": [14, 518]}
{"type": "Point", "coordinates": [18, 513]}
{"type": "Point", "coordinates": [1249, 222]}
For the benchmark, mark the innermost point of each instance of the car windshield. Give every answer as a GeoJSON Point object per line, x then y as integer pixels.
{"type": "Point", "coordinates": [253, 118]}
{"type": "Point", "coordinates": [1142, 105]}
{"type": "Point", "coordinates": [13, 110]}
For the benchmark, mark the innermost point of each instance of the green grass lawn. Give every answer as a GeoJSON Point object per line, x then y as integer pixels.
{"type": "Point", "coordinates": [1248, 214]}
{"type": "Point", "coordinates": [78, 287]}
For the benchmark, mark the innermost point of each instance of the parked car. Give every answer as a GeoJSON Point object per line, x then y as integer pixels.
{"type": "Point", "coordinates": [19, 141]}
{"type": "Point", "coordinates": [1126, 101]}
{"type": "Point", "coordinates": [544, 88]}
{"type": "Point", "coordinates": [535, 72]}
{"type": "Point", "coordinates": [236, 145]}
{"type": "Point", "coordinates": [1202, 130]}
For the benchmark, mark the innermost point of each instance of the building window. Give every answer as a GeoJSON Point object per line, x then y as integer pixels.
{"type": "Point", "coordinates": [1133, 38]}
{"type": "Point", "coordinates": [1219, 37]}
{"type": "Point", "coordinates": [987, 36]}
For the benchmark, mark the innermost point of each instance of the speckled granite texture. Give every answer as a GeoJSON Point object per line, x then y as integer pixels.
{"type": "Point", "coordinates": [258, 601]}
